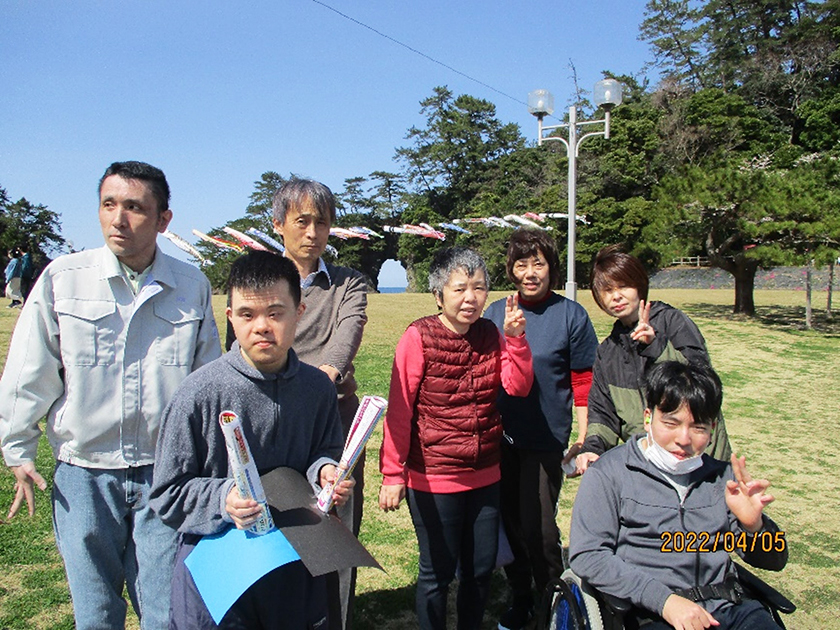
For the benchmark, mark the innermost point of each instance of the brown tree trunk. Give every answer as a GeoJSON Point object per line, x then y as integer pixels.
{"type": "Point", "coordinates": [742, 269]}
{"type": "Point", "coordinates": [828, 314]}
{"type": "Point", "coordinates": [744, 272]}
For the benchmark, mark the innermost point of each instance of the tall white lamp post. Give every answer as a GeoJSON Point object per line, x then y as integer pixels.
{"type": "Point", "coordinates": [607, 94]}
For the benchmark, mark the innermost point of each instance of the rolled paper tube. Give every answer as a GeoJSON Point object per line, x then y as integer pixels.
{"type": "Point", "coordinates": [244, 469]}
{"type": "Point", "coordinates": [370, 411]}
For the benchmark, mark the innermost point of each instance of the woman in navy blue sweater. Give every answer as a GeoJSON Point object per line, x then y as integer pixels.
{"type": "Point", "coordinates": [537, 427]}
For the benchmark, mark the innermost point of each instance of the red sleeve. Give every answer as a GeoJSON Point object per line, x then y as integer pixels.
{"type": "Point", "coordinates": [517, 365]}
{"type": "Point", "coordinates": [581, 384]}
{"type": "Point", "coordinates": [406, 375]}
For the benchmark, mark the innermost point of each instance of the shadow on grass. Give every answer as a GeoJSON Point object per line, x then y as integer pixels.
{"type": "Point", "coordinates": [393, 609]}
{"type": "Point", "coordinates": [784, 318]}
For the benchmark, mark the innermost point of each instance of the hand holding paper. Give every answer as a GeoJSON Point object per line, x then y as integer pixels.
{"type": "Point", "coordinates": [370, 411]}
{"type": "Point", "coordinates": [244, 512]}
{"type": "Point", "coordinates": [246, 476]}
{"type": "Point", "coordinates": [341, 492]}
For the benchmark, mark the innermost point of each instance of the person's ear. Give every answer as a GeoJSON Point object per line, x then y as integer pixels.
{"type": "Point", "coordinates": [648, 416]}
{"type": "Point", "coordinates": [163, 220]}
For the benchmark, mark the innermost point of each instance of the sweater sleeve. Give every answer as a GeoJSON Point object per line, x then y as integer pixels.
{"type": "Point", "coordinates": [327, 445]}
{"type": "Point", "coordinates": [581, 384]}
{"type": "Point", "coordinates": [517, 365]}
{"type": "Point", "coordinates": [349, 324]}
{"type": "Point", "coordinates": [183, 494]}
{"type": "Point", "coordinates": [593, 542]}
{"type": "Point", "coordinates": [773, 560]}
{"type": "Point", "coordinates": [406, 374]}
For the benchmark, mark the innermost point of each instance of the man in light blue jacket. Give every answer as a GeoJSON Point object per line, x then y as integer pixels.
{"type": "Point", "coordinates": [102, 343]}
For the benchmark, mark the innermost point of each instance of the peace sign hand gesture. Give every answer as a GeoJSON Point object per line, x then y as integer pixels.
{"type": "Point", "coordinates": [514, 317]}
{"type": "Point", "coordinates": [643, 332]}
{"type": "Point", "coordinates": [745, 496]}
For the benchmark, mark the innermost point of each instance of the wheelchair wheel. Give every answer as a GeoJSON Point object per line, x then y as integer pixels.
{"type": "Point", "coordinates": [585, 596]}
{"type": "Point", "coordinates": [561, 609]}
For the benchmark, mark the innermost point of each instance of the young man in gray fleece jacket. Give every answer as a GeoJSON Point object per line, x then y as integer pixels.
{"type": "Point", "coordinates": [330, 331]}
{"type": "Point", "coordinates": [289, 412]}
{"type": "Point", "coordinates": [655, 519]}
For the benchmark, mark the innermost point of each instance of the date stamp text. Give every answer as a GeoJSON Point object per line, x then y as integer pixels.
{"type": "Point", "coordinates": [707, 542]}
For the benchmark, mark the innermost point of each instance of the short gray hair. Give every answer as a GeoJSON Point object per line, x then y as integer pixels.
{"type": "Point", "coordinates": [297, 191]}
{"type": "Point", "coordinates": [451, 259]}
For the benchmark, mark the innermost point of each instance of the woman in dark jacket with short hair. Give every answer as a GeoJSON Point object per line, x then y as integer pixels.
{"type": "Point", "coordinates": [644, 334]}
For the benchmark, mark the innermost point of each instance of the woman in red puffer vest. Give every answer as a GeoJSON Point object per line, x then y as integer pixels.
{"type": "Point", "coordinates": [442, 433]}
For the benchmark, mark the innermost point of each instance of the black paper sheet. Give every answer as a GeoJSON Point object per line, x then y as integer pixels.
{"type": "Point", "coordinates": [323, 543]}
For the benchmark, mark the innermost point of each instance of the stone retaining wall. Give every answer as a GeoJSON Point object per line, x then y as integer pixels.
{"type": "Point", "coordinates": [714, 278]}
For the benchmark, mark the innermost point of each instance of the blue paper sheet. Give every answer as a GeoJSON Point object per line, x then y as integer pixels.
{"type": "Point", "coordinates": [245, 558]}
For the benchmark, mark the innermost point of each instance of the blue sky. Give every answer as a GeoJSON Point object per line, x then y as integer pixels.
{"type": "Point", "coordinates": [217, 93]}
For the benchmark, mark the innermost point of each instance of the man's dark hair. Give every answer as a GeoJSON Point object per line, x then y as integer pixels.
{"type": "Point", "coordinates": [259, 270]}
{"type": "Point", "coordinates": [298, 191]}
{"type": "Point", "coordinates": [671, 384]}
{"type": "Point", "coordinates": [529, 242]}
{"type": "Point", "coordinates": [153, 176]}
{"type": "Point", "coordinates": [614, 267]}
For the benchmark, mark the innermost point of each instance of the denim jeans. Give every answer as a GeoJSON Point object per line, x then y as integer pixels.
{"type": "Point", "coordinates": [458, 530]}
{"type": "Point", "coordinates": [109, 537]}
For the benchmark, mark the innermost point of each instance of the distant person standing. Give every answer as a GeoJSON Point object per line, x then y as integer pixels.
{"type": "Point", "coordinates": [27, 271]}
{"type": "Point", "coordinates": [538, 425]}
{"type": "Point", "coordinates": [330, 330]}
{"type": "Point", "coordinates": [13, 276]}
{"type": "Point", "coordinates": [104, 340]}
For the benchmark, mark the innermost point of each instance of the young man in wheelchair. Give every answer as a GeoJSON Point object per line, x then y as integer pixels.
{"type": "Point", "coordinates": [655, 519]}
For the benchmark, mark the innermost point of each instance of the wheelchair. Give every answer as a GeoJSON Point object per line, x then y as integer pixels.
{"type": "Point", "coordinates": [569, 603]}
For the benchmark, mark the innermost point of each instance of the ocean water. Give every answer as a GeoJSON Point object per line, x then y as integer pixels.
{"type": "Point", "coordinates": [392, 289]}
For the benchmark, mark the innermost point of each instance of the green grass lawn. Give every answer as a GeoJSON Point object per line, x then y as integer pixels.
{"type": "Point", "coordinates": [781, 407]}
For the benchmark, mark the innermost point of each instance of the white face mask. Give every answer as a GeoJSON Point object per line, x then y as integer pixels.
{"type": "Point", "coordinates": [668, 462]}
